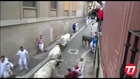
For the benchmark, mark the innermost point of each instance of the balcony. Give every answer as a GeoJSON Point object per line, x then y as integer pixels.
{"type": "Point", "coordinates": [134, 50]}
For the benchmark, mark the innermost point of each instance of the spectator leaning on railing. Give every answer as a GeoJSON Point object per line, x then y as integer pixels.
{"type": "Point", "coordinates": [100, 14]}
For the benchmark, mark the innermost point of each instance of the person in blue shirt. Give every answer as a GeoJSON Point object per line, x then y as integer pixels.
{"type": "Point", "coordinates": [74, 27]}
{"type": "Point", "coordinates": [93, 43]}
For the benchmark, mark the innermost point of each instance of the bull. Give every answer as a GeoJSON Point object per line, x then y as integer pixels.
{"type": "Point", "coordinates": [55, 53]}
{"type": "Point", "coordinates": [48, 70]}
{"type": "Point", "coordinates": [86, 39]}
{"type": "Point", "coordinates": [64, 39]}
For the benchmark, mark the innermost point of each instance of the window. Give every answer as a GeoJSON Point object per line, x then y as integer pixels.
{"type": "Point", "coordinates": [29, 9]}
{"type": "Point", "coordinates": [29, 3]}
{"type": "Point", "coordinates": [74, 6]}
{"type": "Point", "coordinates": [66, 5]}
{"type": "Point", "coordinates": [53, 5]}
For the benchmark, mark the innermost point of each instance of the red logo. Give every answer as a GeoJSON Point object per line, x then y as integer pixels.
{"type": "Point", "coordinates": [130, 69]}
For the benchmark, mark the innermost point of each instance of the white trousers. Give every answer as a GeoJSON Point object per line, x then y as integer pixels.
{"type": "Point", "coordinates": [21, 62]}
{"type": "Point", "coordinates": [77, 28]}
{"type": "Point", "coordinates": [41, 47]}
{"type": "Point", "coordinates": [93, 47]}
{"type": "Point", "coordinates": [91, 32]}
{"type": "Point", "coordinates": [4, 74]}
{"type": "Point", "coordinates": [95, 19]}
{"type": "Point", "coordinates": [7, 72]}
{"type": "Point", "coordinates": [87, 22]}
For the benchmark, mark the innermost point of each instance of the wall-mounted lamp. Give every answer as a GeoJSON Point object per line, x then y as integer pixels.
{"type": "Point", "coordinates": [90, 3]}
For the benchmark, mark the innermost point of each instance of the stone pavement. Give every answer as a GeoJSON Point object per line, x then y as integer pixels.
{"type": "Point", "coordinates": [88, 71]}
{"type": "Point", "coordinates": [88, 67]}
{"type": "Point", "coordinates": [35, 59]}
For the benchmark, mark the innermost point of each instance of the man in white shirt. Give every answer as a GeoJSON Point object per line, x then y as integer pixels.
{"type": "Point", "coordinates": [23, 56]}
{"type": "Point", "coordinates": [77, 26]}
{"type": "Point", "coordinates": [103, 4]}
{"type": "Point", "coordinates": [5, 67]}
{"type": "Point", "coordinates": [87, 20]}
{"type": "Point", "coordinates": [91, 29]}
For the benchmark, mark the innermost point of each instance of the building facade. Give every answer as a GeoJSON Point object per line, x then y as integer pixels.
{"type": "Point", "coordinates": [23, 21]}
{"type": "Point", "coordinates": [119, 17]}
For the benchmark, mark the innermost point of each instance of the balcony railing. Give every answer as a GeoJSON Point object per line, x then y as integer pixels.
{"type": "Point", "coordinates": [134, 50]}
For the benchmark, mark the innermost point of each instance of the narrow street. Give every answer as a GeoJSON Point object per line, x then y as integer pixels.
{"type": "Point", "coordinates": [71, 58]}
{"type": "Point", "coordinates": [89, 70]}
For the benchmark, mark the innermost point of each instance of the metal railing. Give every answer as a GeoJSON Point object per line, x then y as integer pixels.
{"type": "Point", "coordinates": [96, 56]}
{"type": "Point", "coordinates": [134, 50]}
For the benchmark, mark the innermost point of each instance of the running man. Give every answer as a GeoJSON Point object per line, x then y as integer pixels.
{"type": "Point", "coordinates": [23, 56]}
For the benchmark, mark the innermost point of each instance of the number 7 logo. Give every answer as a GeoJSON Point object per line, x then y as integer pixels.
{"type": "Point", "coordinates": [130, 69]}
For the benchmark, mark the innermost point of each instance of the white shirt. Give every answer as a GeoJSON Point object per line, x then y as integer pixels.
{"type": "Point", "coordinates": [76, 24]}
{"type": "Point", "coordinates": [103, 2]}
{"type": "Point", "coordinates": [41, 41]}
{"type": "Point", "coordinates": [86, 18]}
{"type": "Point", "coordinates": [22, 54]}
{"type": "Point", "coordinates": [3, 66]}
{"type": "Point", "coordinates": [91, 27]}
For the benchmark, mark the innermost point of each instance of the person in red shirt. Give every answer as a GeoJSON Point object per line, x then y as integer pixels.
{"type": "Point", "coordinates": [100, 14]}
{"type": "Point", "coordinates": [78, 70]}
{"type": "Point", "coordinates": [71, 74]}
